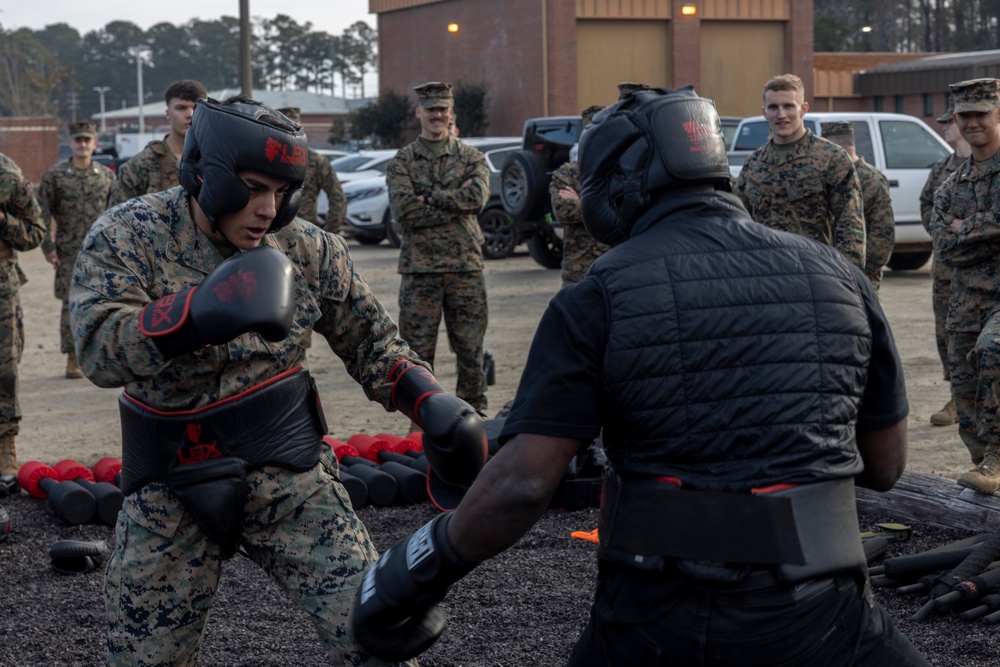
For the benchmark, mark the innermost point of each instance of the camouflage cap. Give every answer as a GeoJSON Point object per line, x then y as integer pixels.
{"type": "Point", "coordinates": [294, 114]}
{"type": "Point", "coordinates": [838, 128]}
{"type": "Point", "coordinates": [627, 87]}
{"type": "Point", "coordinates": [588, 114]}
{"type": "Point", "coordinates": [82, 128]}
{"type": "Point", "coordinates": [978, 95]}
{"type": "Point", "coordinates": [948, 116]}
{"type": "Point", "coordinates": [434, 94]}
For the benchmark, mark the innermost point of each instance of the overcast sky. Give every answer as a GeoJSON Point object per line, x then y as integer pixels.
{"type": "Point", "coordinates": [331, 16]}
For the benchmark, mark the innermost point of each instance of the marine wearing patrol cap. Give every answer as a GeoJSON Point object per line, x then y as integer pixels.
{"type": "Point", "coordinates": [838, 128]}
{"type": "Point", "coordinates": [975, 95]}
{"type": "Point", "coordinates": [82, 128]}
{"type": "Point", "coordinates": [434, 94]}
{"type": "Point", "coordinates": [588, 114]}
{"type": "Point", "coordinates": [626, 88]}
{"type": "Point", "coordinates": [948, 116]}
{"type": "Point", "coordinates": [293, 114]}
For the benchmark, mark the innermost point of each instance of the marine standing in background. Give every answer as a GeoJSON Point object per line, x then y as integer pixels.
{"type": "Point", "coordinates": [437, 187]}
{"type": "Point", "coordinates": [880, 224]}
{"type": "Point", "coordinates": [320, 176]}
{"type": "Point", "coordinates": [72, 195]}
{"type": "Point", "coordinates": [580, 249]}
{"type": "Point", "coordinates": [800, 183]}
{"type": "Point", "coordinates": [154, 168]}
{"type": "Point", "coordinates": [966, 235]}
{"type": "Point", "coordinates": [22, 227]}
{"type": "Point", "coordinates": [941, 273]}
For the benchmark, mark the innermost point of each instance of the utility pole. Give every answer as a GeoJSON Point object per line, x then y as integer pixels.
{"type": "Point", "coordinates": [246, 67]}
{"type": "Point", "coordinates": [139, 53]}
{"type": "Point", "coordinates": [73, 102]}
{"type": "Point", "coordinates": [100, 91]}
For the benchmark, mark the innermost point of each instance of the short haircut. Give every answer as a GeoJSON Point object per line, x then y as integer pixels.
{"type": "Point", "coordinates": [185, 89]}
{"type": "Point", "coordinates": [785, 82]}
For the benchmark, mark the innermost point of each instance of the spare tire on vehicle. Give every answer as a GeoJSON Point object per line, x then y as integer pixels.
{"type": "Point", "coordinates": [524, 185]}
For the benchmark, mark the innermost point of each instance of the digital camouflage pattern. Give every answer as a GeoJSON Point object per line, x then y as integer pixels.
{"type": "Point", "coordinates": [813, 190]}
{"type": "Point", "coordinates": [880, 224]}
{"type": "Point", "coordinates": [22, 227]}
{"type": "Point", "coordinates": [71, 200]}
{"type": "Point", "coordinates": [299, 525]}
{"type": "Point", "coordinates": [435, 94]}
{"type": "Point", "coordinates": [320, 176]}
{"type": "Point", "coordinates": [972, 194]}
{"type": "Point", "coordinates": [442, 237]}
{"type": "Point", "coordinates": [153, 169]}
{"type": "Point", "coordinates": [941, 273]}
{"type": "Point", "coordinates": [460, 298]}
{"type": "Point", "coordinates": [580, 249]}
{"type": "Point", "coordinates": [975, 95]}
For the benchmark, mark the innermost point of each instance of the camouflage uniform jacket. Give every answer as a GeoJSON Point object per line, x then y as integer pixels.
{"type": "Point", "coordinates": [153, 169]}
{"type": "Point", "coordinates": [940, 172]}
{"type": "Point", "coordinates": [813, 190]}
{"type": "Point", "coordinates": [320, 176]}
{"type": "Point", "coordinates": [580, 249]}
{"type": "Point", "coordinates": [22, 226]}
{"type": "Point", "coordinates": [971, 194]}
{"type": "Point", "coordinates": [73, 198]}
{"type": "Point", "coordinates": [150, 247]}
{"type": "Point", "coordinates": [880, 224]}
{"type": "Point", "coordinates": [444, 236]}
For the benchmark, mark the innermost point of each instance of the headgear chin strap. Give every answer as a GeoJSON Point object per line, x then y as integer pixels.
{"type": "Point", "coordinates": [652, 140]}
{"type": "Point", "coordinates": [225, 138]}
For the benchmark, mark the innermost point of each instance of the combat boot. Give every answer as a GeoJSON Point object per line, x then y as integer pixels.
{"type": "Point", "coordinates": [8, 455]}
{"type": "Point", "coordinates": [985, 477]}
{"type": "Point", "coordinates": [72, 368]}
{"type": "Point", "coordinates": [946, 416]}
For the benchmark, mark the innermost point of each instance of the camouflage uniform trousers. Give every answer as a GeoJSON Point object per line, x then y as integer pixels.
{"type": "Point", "coordinates": [974, 362]}
{"type": "Point", "coordinates": [163, 574]}
{"type": "Point", "coordinates": [65, 330]}
{"type": "Point", "coordinates": [461, 298]}
{"type": "Point", "coordinates": [12, 344]}
{"type": "Point", "coordinates": [941, 275]}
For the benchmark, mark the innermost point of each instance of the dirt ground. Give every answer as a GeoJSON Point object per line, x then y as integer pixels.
{"type": "Point", "coordinates": [65, 418]}
{"type": "Point", "coordinates": [525, 607]}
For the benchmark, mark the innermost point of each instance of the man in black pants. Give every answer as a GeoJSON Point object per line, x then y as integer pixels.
{"type": "Point", "coordinates": [745, 380]}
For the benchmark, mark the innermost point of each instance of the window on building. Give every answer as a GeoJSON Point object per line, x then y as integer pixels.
{"type": "Point", "coordinates": [878, 103]}
{"type": "Point", "coordinates": [928, 104]}
{"type": "Point", "coordinates": [899, 103]}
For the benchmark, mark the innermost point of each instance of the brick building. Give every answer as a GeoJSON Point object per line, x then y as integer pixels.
{"type": "Point", "coordinates": [556, 57]}
{"type": "Point", "coordinates": [31, 142]}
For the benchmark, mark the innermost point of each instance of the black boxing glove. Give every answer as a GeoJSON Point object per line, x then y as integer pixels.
{"type": "Point", "coordinates": [396, 615]}
{"type": "Point", "coordinates": [250, 291]}
{"type": "Point", "coordinates": [454, 435]}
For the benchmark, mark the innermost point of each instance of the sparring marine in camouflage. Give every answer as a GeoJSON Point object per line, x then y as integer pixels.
{"type": "Point", "coordinates": [436, 191]}
{"type": "Point", "coordinates": [22, 227]}
{"type": "Point", "coordinates": [71, 200]}
{"type": "Point", "coordinates": [808, 187]}
{"type": "Point", "coordinates": [880, 224]}
{"type": "Point", "coordinates": [153, 169]}
{"type": "Point", "coordinates": [580, 249]}
{"type": "Point", "coordinates": [299, 527]}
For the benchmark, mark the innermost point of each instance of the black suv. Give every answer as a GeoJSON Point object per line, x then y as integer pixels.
{"type": "Point", "coordinates": [524, 183]}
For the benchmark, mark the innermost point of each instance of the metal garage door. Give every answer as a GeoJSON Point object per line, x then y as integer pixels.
{"type": "Point", "coordinates": [609, 52]}
{"type": "Point", "coordinates": [728, 75]}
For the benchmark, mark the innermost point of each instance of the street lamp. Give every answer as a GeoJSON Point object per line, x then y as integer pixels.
{"type": "Point", "coordinates": [857, 33]}
{"type": "Point", "coordinates": [139, 53]}
{"type": "Point", "coordinates": [100, 91]}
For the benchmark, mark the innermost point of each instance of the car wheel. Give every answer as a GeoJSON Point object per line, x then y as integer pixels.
{"type": "Point", "coordinates": [546, 249]}
{"type": "Point", "coordinates": [367, 240]}
{"type": "Point", "coordinates": [908, 261]}
{"type": "Point", "coordinates": [524, 186]}
{"type": "Point", "coordinates": [498, 228]}
{"type": "Point", "coordinates": [392, 230]}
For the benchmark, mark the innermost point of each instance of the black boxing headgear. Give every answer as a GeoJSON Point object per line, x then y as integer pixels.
{"type": "Point", "coordinates": [225, 138]}
{"type": "Point", "coordinates": [653, 140]}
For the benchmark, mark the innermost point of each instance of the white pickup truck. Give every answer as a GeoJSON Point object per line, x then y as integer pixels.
{"type": "Point", "coordinates": [903, 147]}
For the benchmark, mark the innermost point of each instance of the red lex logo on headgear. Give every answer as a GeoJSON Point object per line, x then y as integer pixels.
{"type": "Point", "coordinates": [273, 148]}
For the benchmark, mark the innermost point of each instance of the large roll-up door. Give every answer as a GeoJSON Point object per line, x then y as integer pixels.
{"type": "Point", "coordinates": [609, 52]}
{"type": "Point", "coordinates": [728, 74]}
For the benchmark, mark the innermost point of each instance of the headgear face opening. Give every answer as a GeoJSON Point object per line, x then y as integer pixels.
{"type": "Point", "coordinates": [226, 138]}
{"type": "Point", "coordinates": [653, 140]}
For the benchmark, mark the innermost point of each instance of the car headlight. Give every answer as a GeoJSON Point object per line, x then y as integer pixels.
{"type": "Point", "coordinates": [367, 193]}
